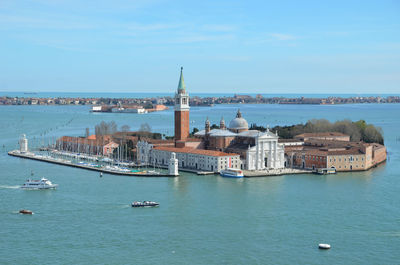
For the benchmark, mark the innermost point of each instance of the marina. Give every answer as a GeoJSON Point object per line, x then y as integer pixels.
{"type": "Point", "coordinates": [113, 170]}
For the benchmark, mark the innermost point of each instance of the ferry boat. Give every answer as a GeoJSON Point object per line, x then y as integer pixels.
{"type": "Point", "coordinates": [39, 184]}
{"type": "Point", "coordinates": [145, 204]}
{"type": "Point", "coordinates": [232, 173]}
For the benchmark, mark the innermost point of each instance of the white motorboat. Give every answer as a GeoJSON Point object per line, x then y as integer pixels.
{"type": "Point", "coordinates": [153, 172]}
{"type": "Point", "coordinates": [39, 184]}
{"type": "Point", "coordinates": [231, 173]}
{"type": "Point", "coordinates": [324, 246]}
{"type": "Point", "coordinates": [145, 204]}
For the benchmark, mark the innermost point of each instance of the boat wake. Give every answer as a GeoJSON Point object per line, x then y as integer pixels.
{"type": "Point", "coordinates": [123, 206]}
{"type": "Point", "coordinates": [9, 187]}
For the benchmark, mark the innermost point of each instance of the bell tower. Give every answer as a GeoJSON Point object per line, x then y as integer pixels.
{"type": "Point", "coordinates": [181, 113]}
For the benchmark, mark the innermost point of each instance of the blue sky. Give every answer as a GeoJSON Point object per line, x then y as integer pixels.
{"type": "Point", "coordinates": [224, 46]}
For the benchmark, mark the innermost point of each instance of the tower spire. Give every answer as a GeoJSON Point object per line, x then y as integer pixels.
{"type": "Point", "coordinates": [207, 127]}
{"type": "Point", "coordinates": [222, 124]}
{"type": "Point", "coordinates": [181, 85]}
{"type": "Point", "coordinates": [181, 113]}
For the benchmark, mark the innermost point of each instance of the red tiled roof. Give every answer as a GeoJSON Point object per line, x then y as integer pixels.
{"type": "Point", "coordinates": [351, 151]}
{"type": "Point", "coordinates": [92, 137]}
{"type": "Point", "coordinates": [281, 140]}
{"type": "Point", "coordinates": [189, 150]}
{"type": "Point", "coordinates": [82, 140]}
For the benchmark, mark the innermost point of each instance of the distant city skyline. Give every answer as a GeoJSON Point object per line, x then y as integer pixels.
{"type": "Point", "coordinates": [264, 47]}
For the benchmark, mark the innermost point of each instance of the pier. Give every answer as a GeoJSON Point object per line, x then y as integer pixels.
{"type": "Point", "coordinates": [48, 159]}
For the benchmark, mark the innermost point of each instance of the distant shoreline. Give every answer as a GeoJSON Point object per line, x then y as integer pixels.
{"type": "Point", "coordinates": [196, 100]}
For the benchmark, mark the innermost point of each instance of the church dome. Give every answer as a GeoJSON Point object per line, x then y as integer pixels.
{"type": "Point", "coordinates": [238, 123]}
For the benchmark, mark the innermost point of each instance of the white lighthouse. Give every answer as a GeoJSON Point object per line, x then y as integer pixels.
{"type": "Point", "coordinates": [23, 144]}
{"type": "Point", "coordinates": [173, 165]}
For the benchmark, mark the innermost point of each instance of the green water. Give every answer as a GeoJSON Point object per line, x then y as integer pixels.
{"type": "Point", "coordinates": [201, 219]}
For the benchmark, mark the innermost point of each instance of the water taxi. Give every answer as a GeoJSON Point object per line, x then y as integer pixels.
{"type": "Point", "coordinates": [232, 173]}
{"type": "Point", "coordinates": [145, 204]}
{"type": "Point", "coordinates": [25, 211]}
{"type": "Point", "coordinates": [39, 184]}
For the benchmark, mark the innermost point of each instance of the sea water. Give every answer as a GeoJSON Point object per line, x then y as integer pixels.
{"type": "Point", "coordinates": [201, 219]}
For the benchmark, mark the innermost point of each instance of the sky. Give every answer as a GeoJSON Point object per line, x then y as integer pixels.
{"type": "Point", "coordinates": [224, 46]}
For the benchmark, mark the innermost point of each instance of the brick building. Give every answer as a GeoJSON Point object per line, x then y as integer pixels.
{"type": "Point", "coordinates": [341, 155]}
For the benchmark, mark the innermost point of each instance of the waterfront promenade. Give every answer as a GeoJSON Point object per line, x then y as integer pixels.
{"type": "Point", "coordinates": [63, 162]}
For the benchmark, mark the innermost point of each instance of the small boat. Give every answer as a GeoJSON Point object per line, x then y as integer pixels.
{"type": "Point", "coordinates": [145, 204]}
{"type": "Point", "coordinates": [153, 172]}
{"type": "Point", "coordinates": [324, 246]}
{"type": "Point", "coordinates": [25, 211]}
{"type": "Point", "coordinates": [324, 171]}
{"type": "Point", "coordinates": [39, 184]}
{"type": "Point", "coordinates": [231, 173]}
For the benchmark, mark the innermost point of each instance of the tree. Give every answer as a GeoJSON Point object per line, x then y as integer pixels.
{"type": "Point", "coordinates": [373, 135]}
{"type": "Point", "coordinates": [349, 128]}
{"type": "Point", "coordinates": [87, 132]}
{"type": "Point", "coordinates": [104, 128]}
{"type": "Point", "coordinates": [357, 131]}
{"type": "Point", "coordinates": [145, 127]}
{"type": "Point", "coordinates": [125, 128]}
{"type": "Point", "coordinates": [214, 126]}
{"type": "Point", "coordinates": [315, 125]}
